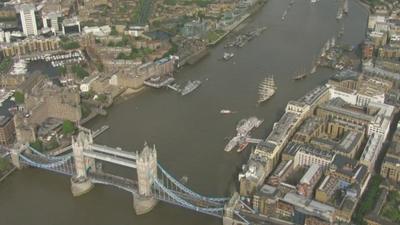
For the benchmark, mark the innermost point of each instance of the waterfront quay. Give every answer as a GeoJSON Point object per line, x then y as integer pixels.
{"type": "Point", "coordinates": [190, 131]}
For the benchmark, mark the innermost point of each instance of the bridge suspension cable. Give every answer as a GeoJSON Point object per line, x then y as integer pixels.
{"type": "Point", "coordinates": [67, 156]}
{"type": "Point", "coordinates": [62, 166]}
{"type": "Point", "coordinates": [187, 190]}
{"type": "Point", "coordinates": [216, 211]}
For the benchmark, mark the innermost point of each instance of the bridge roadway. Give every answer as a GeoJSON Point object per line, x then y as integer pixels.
{"type": "Point", "coordinates": [116, 181]}
{"type": "Point", "coordinates": [164, 187]}
{"type": "Point", "coordinates": [110, 158]}
{"type": "Point", "coordinates": [125, 183]}
{"type": "Point", "coordinates": [113, 151]}
{"type": "Point", "coordinates": [132, 186]}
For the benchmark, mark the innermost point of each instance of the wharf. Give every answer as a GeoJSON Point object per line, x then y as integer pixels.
{"type": "Point", "coordinates": [194, 57]}
{"type": "Point", "coordinates": [174, 87]}
{"type": "Point", "coordinates": [100, 130]}
{"type": "Point", "coordinates": [233, 26]}
{"type": "Point", "coordinates": [230, 29]}
{"type": "Point", "coordinates": [159, 81]}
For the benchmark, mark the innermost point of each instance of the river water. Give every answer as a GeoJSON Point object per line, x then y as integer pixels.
{"type": "Point", "coordinates": [189, 132]}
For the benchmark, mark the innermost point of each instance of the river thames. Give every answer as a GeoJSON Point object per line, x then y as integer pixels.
{"type": "Point", "coordinates": [188, 132]}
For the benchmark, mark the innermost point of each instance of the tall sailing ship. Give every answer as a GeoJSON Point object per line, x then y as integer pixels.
{"type": "Point", "coordinates": [346, 7]}
{"type": "Point", "coordinates": [314, 65]}
{"type": "Point", "coordinates": [339, 14]}
{"type": "Point", "coordinates": [267, 89]}
{"type": "Point", "coordinates": [301, 75]}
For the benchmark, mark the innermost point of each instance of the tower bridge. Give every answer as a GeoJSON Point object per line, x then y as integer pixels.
{"type": "Point", "coordinates": [153, 183]}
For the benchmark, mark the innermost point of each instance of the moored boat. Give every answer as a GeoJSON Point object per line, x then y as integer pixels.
{"type": "Point", "coordinates": [190, 86]}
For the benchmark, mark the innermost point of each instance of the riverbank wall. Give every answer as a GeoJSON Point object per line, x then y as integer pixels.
{"type": "Point", "coordinates": [258, 5]}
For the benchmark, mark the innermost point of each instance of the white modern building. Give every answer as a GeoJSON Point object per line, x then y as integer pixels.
{"type": "Point", "coordinates": [28, 19]}
{"type": "Point", "coordinates": [71, 26]}
{"type": "Point", "coordinates": [52, 20]}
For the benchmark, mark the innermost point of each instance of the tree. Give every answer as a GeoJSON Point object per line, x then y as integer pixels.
{"type": "Point", "coordinates": [62, 70]}
{"type": "Point", "coordinates": [38, 145]}
{"type": "Point", "coordinates": [19, 97]}
{"type": "Point", "coordinates": [113, 31]}
{"type": "Point", "coordinates": [68, 127]}
{"type": "Point", "coordinates": [5, 64]}
{"type": "Point", "coordinates": [4, 164]}
{"type": "Point", "coordinates": [368, 200]}
{"type": "Point", "coordinates": [85, 110]}
{"type": "Point", "coordinates": [79, 71]}
{"type": "Point", "coordinates": [67, 45]}
{"type": "Point", "coordinates": [102, 98]}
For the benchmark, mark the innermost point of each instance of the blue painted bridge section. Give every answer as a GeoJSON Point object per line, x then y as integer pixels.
{"type": "Point", "coordinates": [165, 187]}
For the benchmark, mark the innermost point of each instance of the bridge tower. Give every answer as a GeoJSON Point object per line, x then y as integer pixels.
{"type": "Point", "coordinates": [80, 182]}
{"type": "Point", "coordinates": [15, 153]}
{"type": "Point", "coordinates": [146, 167]}
{"type": "Point", "coordinates": [229, 211]}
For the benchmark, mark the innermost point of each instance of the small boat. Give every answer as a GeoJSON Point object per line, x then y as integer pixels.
{"type": "Point", "coordinates": [341, 31]}
{"type": "Point", "coordinates": [226, 111]}
{"type": "Point", "coordinates": [313, 67]}
{"type": "Point", "coordinates": [301, 75]}
{"type": "Point", "coordinates": [346, 7]}
{"type": "Point", "coordinates": [190, 86]}
{"type": "Point", "coordinates": [184, 179]}
{"type": "Point", "coordinates": [284, 15]}
{"type": "Point", "coordinates": [339, 13]}
{"type": "Point", "coordinates": [227, 56]}
{"type": "Point", "coordinates": [243, 144]}
{"type": "Point", "coordinates": [231, 144]}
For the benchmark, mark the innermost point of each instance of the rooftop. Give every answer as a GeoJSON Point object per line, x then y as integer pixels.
{"type": "Point", "coordinates": [338, 105]}
{"type": "Point", "coordinates": [71, 21]}
{"type": "Point", "coordinates": [25, 7]}
{"type": "Point", "coordinates": [328, 155]}
{"type": "Point", "coordinates": [314, 169]}
{"type": "Point", "coordinates": [268, 190]}
{"type": "Point", "coordinates": [349, 141]}
{"type": "Point", "coordinates": [292, 148]}
{"type": "Point", "coordinates": [310, 124]}
{"type": "Point", "coordinates": [4, 120]}
{"type": "Point", "coordinates": [372, 148]}
{"type": "Point", "coordinates": [311, 97]}
{"type": "Point", "coordinates": [329, 185]}
{"type": "Point", "coordinates": [349, 167]}
{"type": "Point", "coordinates": [282, 168]}
{"type": "Point", "coordinates": [266, 146]}
{"type": "Point", "coordinates": [310, 207]}
{"type": "Point", "coordinates": [345, 75]}
{"type": "Point", "coordinates": [282, 128]}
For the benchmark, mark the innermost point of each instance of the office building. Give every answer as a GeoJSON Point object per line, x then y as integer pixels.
{"type": "Point", "coordinates": [28, 19]}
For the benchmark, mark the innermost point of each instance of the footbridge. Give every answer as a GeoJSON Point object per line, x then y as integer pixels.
{"type": "Point", "coordinates": [153, 183]}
